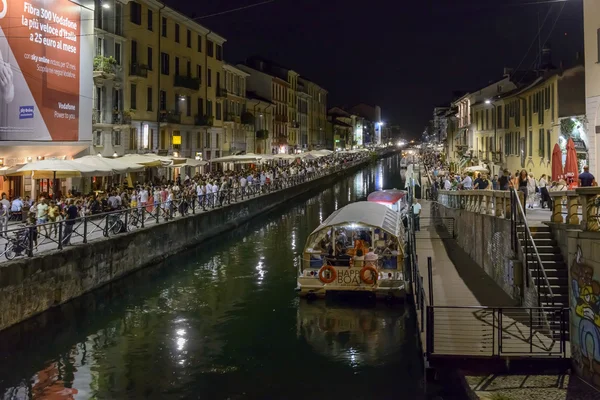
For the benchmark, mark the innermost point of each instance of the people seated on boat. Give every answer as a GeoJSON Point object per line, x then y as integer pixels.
{"type": "Point", "coordinates": [371, 259]}
{"type": "Point", "coordinates": [361, 245]}
{"type": "Point", "coordinates": [330, 258]}
{"type": "Point", "coordinates": [359, 259]}
{"type": "Point", "coordinates": [324, 247]}
{"type": "Point", "coordinates": [364, 235]}
{"type": "Point", "coordinates": [343, 259]}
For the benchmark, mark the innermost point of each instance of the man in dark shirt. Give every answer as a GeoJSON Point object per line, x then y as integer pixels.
{"type": "Point", "coordinates": [586, 179]}
{"type": "Point", "coordinates": [72, 214]}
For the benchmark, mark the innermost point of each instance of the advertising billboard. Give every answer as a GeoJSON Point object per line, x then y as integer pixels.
{"type": "Point", "coordinates": [45, 64]}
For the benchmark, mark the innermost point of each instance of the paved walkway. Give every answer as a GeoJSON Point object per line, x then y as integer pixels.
{"type": "Point", "coordinates": [467, 326]}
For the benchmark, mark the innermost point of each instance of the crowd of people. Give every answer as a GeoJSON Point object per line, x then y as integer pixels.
{"type": "Point", "coordinates": [166, 198]}
{"type": "Point", "coordinates": [534, 190]}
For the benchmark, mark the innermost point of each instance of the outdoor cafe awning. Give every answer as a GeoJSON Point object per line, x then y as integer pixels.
{"type": "Point", "coordinates": [147, 160]}
{"type": "Point", "coordinates": [59, 169]}
{"type": "Point", "coordinates": [187, 162]}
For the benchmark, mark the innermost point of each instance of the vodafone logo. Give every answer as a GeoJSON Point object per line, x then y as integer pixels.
{"type": "Point", "coordinates": [4, 9]}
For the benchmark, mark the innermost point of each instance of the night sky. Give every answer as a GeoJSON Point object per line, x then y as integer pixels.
{"type": "Point", "coordinates": [407, 56]}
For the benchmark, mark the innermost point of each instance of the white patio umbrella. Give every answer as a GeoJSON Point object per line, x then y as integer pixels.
{"type": "Point", "coordinates": [59, 169]}
{"type": "Point", "coordinates": [287, 156]}
{"type": "Point", "coordinates": [147, 160]}
{"type": "Point", "coordinates": [240, 158]}
{"type": "Point", "coordinates": [187, 162]}
{"type": "Point", "coordinates": [117, 165]}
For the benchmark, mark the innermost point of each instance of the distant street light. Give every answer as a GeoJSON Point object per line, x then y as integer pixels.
{"type": "Point", "coordinates": [488, 101]}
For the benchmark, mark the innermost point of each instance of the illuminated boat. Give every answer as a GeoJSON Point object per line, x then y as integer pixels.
{"type": "Point", "coordinates": [359, 249]}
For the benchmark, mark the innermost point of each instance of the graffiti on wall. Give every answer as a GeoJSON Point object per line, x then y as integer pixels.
{"type": "Point", "coordinates": [585, 311]}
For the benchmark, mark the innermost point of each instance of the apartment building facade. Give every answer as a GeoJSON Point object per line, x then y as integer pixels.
{"type": "Point", "coordinates": [167, 102]}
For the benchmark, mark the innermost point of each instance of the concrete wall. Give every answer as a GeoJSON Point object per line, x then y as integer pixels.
{"type": "Point", "coordinates": [581, 250]}
{"type": "Point", "coordinates": [29, 286]}
{"type": "Point", "coordinates": [487, 240]}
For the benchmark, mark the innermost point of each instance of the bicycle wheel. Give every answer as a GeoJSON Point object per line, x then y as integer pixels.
{"type": "Point", "coordinates": [134, 223]}
{"type": "Point", "coordinates": [116, 227]}
{"type": "Point", "coordinates": [9, 253]}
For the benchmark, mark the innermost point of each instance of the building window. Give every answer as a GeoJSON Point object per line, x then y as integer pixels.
{"type": "Point", "coordinates": [218, 111]}
{"type": "Point", "coordinates": [530, 143]}
{"type": "Point", "coordinates": [176, 33]}
{"type": "Point", "coordinates": [209, 77]}
{"type": "Point", "coordinates": [176, 140]}
{"type": "Point", "coordinates": [150, 20]}
{"type": "Point", "coordinates": [133, 98]}
{"type": "Point", "coordinates": [199, 43]}
{"type": "Point", "coordinates": [219, 52]}
{"type": "Point", "coordinates": [133, 139]}
{"type": "Point", "coordinates": [164, 63]}
{"type": "Point", "coordinates": [163, 100]}
{"type": "Point", "coordinates": [499, 117]}
{"type": "Point", "coordinates": [541, 146]}
{"type": "Point", "coordinates": [189, 69]}
{"type": "Point", "coordinates": [548, 144]}
{"type": "Point", "coordinates": [118, 53]}
{"type": "Point", "coordinates": [149, 61]}
{"type": "Point", "coordinates": [189, 38]}
{"type": "Point", "coordinates": [135, 13]}
{"type": "Point", "coordinates": [210, 48]}
{"type": "Point", "coordinates": [164, 27]}
{"type": "Point", "coordinates": [134, 51]}
{"type": "Point", "coordinates": [149, 99]}
{"type": "Point", "coordinates": [188, 106]}
{"type": "Point", "coordinates": [207, 141]}
{"type": "Point", "coordinates": [598, 44]}
{"type": "Point", "coordinates": [176, 65]}
{"type": "Point", "coordinates": [209, 110]}
{"type": "Point", "coordinates": [145, 136]}
{"type": "Point", "coordinates": [199, 72]}
{"type": "Point", "coordinates": [200, 107]}
{"type": "Point", "coordinates": [177, 100]}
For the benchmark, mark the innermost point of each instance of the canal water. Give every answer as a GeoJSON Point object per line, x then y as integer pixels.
{"type": "Point", "coordinates": [223, 322]}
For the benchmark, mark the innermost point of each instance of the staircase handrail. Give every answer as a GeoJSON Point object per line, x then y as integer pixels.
{"type": "Point", "coordinates": [537, 254]}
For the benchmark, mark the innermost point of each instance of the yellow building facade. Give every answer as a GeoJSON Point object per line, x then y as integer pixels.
{"type": "Point", "coordinates": [172, 91]}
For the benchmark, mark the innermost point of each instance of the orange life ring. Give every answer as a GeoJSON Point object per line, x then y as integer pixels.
{"type": "Point", "coordinates": [372, 279]}
{"type": "Point", "coordinates": [332, 274]}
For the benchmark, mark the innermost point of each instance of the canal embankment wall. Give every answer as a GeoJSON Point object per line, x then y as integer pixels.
{"type": "Point", "coordinates": [487, 240]}
{"type": "Point", "coordinates": [29, 286]}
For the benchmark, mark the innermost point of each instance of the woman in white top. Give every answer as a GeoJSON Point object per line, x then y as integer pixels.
{"type": "Point", "coordinates": [531, 184]}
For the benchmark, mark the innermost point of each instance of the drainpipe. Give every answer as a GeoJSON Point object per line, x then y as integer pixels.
{"type": "Point", "coordinates": [206, 80]}
{"type": "Point", "coordinates": [159, 73]}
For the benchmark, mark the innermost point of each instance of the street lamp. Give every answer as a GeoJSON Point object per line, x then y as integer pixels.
{"type": "Point", "coordinates": [488, 101]}
{"type": "Point", "coordinates": [105, 5]}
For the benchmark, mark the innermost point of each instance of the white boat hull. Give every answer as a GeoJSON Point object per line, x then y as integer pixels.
{"type": "Point", "coordinates": [309, 285]}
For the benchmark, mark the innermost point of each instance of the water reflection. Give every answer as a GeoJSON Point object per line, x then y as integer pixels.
{"type": "Point", "coordinates": [356, 336]}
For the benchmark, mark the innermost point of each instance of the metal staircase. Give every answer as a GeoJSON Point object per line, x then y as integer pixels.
{"type": "Point", "coordinates": [552, 263]}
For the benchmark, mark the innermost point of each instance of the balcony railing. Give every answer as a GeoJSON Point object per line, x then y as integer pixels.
{"type": "Point", "coordinates": [281, 118]}
{"type": "Point", "coordinates": [105, 65]}
{"type": "Point", "coordinates": [121, 118]}
{"type": "Point", "coordinates": [171, 117]}
{"type": "Point", "coordinates": [186, 82]}
{"type": "Point", "coordinates": [140, 70]}
{"type": "Point", "coordinates": [203, 120]}
{"type": "Point", "coordinates": [221, 92]}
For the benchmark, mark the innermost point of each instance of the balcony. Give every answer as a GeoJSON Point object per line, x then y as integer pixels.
{"type": "Point", "coordinates": [121, 117]}
{"type": "Point", "coordinates": [221, 92]}
{"type": "Point", "coordinates": [138, 71]}
{"type": "Point", "coordinates": [105, 68]}
{"type": "Point", "coordinates": [187, 82]}
{"type": "Point", "coordinates": [203, 120]}
{"type": "Point", "coordinates": [247, 118]}
{"type": "Point", "coordinates": [232, 118]}
{"type": "Point", "coordinates": [262, 134]}
{"type": "Point", "coordinates": [170, 117]}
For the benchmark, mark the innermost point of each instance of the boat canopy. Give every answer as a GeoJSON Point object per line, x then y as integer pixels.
{"type": "Point", "coordinates": [387, 197]}
{"type": "Point", "coordinates": [361, 214]}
